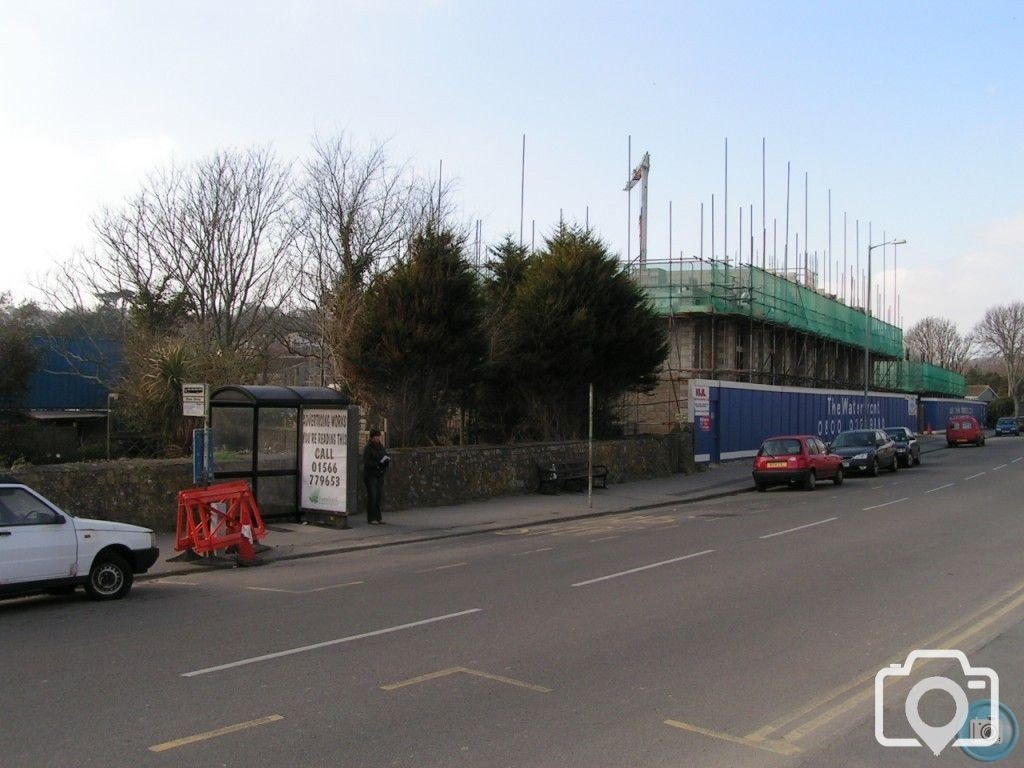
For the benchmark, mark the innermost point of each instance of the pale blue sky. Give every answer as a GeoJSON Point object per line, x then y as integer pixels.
{"type": "Point", "coordinates": [911, 112]}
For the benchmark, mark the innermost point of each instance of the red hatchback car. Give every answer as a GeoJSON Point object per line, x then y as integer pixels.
{"type": "Point", "coordinates": [794, 459]}
{"type": "Point", "coordinates": [964, 429]}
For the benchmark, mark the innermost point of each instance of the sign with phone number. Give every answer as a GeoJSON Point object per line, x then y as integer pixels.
{"type": "Point", "coordinates": [324, 459]}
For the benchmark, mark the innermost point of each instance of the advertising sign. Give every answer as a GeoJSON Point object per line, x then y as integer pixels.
{"type": "Point", "coordinates": [323, 470]}
{"type": "Point", "coordinates": [701, 401]}
{"type": "Point", "coordinates": [193, 399]}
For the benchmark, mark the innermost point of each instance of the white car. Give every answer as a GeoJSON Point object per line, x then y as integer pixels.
{"type": "Point", "coordinates": [44, 549]}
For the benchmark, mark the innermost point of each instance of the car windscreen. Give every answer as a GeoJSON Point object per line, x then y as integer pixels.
{"type": "Point", "coordinates": [854, 440]}
{"type": "Point", "coordinates": [897, 434]}
{"type": "Point", "coordinates": [785, 447]}
{"type": "Point", "coordinates": [1008, 421]}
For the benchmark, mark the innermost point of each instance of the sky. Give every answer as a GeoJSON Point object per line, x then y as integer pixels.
{"type": "Point", "coordinates": [911, 113]}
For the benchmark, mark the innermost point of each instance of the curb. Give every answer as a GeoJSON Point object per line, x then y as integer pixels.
{"type": "Point", "coordinates": [358, 547]}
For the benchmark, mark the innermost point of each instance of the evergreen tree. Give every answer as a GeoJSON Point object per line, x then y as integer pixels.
{"type": "Point", "coordinates": [577, 318]}
{"type": "Point", "coordinates": [419, 344]}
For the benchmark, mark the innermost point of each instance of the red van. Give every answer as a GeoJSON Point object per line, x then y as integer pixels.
{"type": "Point", "coordinates": [964, 429]}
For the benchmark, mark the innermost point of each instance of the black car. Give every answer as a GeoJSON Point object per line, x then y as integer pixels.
{"type": "Point", "coordinates": [908, 448]}
{"type": "Point", "coordinates": [865, 450]}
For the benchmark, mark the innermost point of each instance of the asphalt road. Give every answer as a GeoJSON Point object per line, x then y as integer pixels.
{"type": "Point", "coordinates": [741, 632]}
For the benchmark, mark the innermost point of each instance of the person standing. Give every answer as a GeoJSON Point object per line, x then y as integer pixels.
{"type": "Point", "coordinates": [375, 463]}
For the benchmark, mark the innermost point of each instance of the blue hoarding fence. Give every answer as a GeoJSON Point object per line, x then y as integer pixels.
{"type": "Point", "coordinates": [936, 412]}
{"type": "Point", "coordinates": [731, 419]}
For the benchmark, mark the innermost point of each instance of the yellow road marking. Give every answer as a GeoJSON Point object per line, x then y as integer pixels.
{"type": "Point", "coordinates": [214, 734]}
{"type": "Point", "coordinates": [776, 747]}
{"type": "Point", "coordinates": [957, 634]}
{"type": "Point", "coordinates": [467, 671]}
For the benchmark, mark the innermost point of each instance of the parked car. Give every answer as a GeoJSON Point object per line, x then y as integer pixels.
{"type": "Point", "coordinates": [908, 447]}
{"type": "Point", "coordinates": [865, 450]}
{"type": "Point", "coordinates": [45, 549]}
{"type": "Point", "coordinates": [964, 429]}
{"type": "Point", "coordinates": [792, 459]}
{"type": "Point", "coordinates": [1007, 425]}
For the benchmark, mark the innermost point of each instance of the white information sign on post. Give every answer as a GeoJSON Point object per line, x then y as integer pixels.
{"type": "Point", "coordinates": [193, 400]}
{"type": "Point", "coordinates": [324, 480]}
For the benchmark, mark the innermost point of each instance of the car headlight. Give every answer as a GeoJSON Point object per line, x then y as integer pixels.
{"type": "Point", "coordinates": [861, 456]}
{"type": "Point", "coordinates": [152, 540]}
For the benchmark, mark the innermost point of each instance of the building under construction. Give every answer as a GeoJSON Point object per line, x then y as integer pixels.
{"type": "Point", "coordinates": [744, 323]}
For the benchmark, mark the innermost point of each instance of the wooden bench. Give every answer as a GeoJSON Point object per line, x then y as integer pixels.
{"type": "Point", "coordinates": [569, 475]}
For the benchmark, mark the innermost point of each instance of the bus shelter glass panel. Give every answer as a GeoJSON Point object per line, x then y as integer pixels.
{"type": "Point", "coordinates": [278, 436]}
{"type": "Point", "coordinates": [277, 496]}
{"type": "Point", "coordinates": [233, 440]}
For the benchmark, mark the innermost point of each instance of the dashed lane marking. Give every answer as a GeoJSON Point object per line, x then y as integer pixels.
{"type": "Point", "coordinates": [886, 504]}
{"type": "Point", "coordinates": [443, 567]}
{"type": "Point", "coordinates": [532, 551]}
{"type": "Point", "coordinates": [798, 528]}
{"type": "Point", "coordinates": [941, 487]}
{"type": "Point", "coordinates": [974, 476]}
{"type": "Point", "coordinates": [305, 591]}
{"type": "Point", "coordinates": [327, 643]}
{"type": "Point", "coordinates": [643, 568]}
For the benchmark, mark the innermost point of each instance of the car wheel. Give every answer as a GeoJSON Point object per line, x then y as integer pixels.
{"type": "Point", "coordinates": [838, 479]}
{"type": "Point", "coordinates": [874, 468]}
{"type": "Point", "coordinates": [761, 487]}
{"type": "Point", "coordinates": [895, 466]}
{"type": "Point", "coordinates": [110, 577]}
{"type": "Point", "coordinates": [811, 481]}
{"type": "Point", "coordinates": [917, 460]}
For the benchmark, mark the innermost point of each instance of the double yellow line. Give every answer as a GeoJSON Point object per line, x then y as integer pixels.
{"type": "Point", "coordinates": [964, 634]}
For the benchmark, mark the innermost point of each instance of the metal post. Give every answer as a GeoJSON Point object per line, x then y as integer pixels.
{"type": "Point", "coordinates": [867, 344]}
{"type": "Point", "coordinates": [590, 452]}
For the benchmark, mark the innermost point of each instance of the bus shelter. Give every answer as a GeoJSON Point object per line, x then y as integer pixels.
{"type": "Point", "coordinates": [297, 447]}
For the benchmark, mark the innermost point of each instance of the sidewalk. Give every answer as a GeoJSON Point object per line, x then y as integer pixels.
{"type": "Point", "coordinates": [292, 541]}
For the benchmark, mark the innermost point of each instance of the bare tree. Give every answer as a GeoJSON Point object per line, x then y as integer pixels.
{"type": "Point", "coordinates": [937, 341]}
{"type": "Point", "coordinates": [355, 211]}
{"type": "Point", "coordinates": [1001, 332]}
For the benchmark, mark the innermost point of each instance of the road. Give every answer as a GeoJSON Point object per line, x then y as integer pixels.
{"type": "Point", "coordinates": [741, 632]}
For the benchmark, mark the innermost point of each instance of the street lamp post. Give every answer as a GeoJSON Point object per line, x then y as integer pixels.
{"type": "Point", "coordinates": [867, 331]}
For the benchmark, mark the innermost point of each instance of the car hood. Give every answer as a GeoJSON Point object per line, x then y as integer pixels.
{"type": "Point", "coordinates": [88, 524]}
{"type": "Point", "coordinates": [853, 450]}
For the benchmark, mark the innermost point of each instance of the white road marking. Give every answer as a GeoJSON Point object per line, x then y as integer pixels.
{"type": "Point", "coordinates": [603, 538]}
{"type": "Point", "coordinates": [996, 469]}
{"type": "Point", "coordinates": [304, 591]}
{"type": "Point", "coordinates": [532, 551]}
{"type": "Point", "coordinates": [886, 504]}
{"type": "Point", "coordinates": [327, 643]}
{"type": "Point", "coordinates": [174, 583]}
{"type": "Point", "coordinates": [1019, 458]}
{"type": "Point", "coordinates": [974, 476]}
{"type": "Point", "coordinates": [798, 528]}
{"type": "Point", "coordinates": [642, 568]}
{"type": "Point", "coordinates": [443, 567]}
{"type": "Point", "coordinates": [941, 487]}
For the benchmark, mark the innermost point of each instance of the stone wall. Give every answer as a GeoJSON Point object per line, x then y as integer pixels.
{"type": "Point", "coordinates": [145, 492]}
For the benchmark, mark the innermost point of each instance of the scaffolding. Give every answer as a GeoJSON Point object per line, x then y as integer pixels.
{"type": "Point", "coordinates": [703, 286]}
{"type": "Point", "coordinates": [741, 322]}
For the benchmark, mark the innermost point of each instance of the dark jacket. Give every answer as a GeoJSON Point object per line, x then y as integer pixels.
{"type": "Point", "coordinates": [372, 455]}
